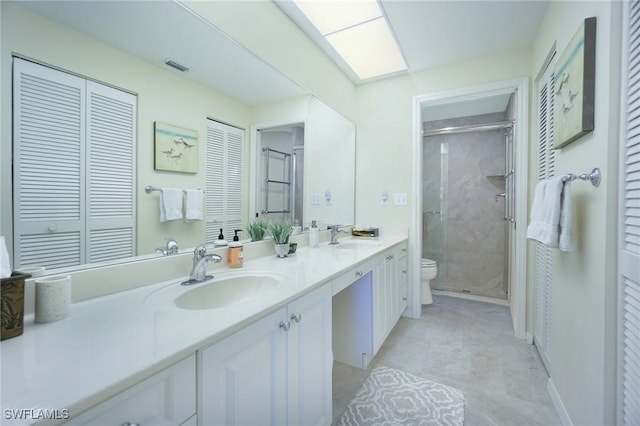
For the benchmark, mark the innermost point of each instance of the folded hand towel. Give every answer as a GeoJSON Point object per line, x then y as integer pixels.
{"type": "Point", "coordinates": [551, 214]}
{"type": "Point", "coordinates": [170, 204]}
{"type": "Point", "coordinates": [193, 209]}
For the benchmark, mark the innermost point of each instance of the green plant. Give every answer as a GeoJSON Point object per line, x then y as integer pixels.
{"type": "Point", "coordinates": [256, 229]}
{"type": "Point", "coordinates": [280, 231]}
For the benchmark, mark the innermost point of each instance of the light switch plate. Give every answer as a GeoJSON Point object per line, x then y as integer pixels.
{"type": "Point", "coordinates": [400, 198]}
{"type": "Point", "coordinates": [316, 199]}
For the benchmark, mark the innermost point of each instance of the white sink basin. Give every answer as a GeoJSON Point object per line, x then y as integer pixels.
{"type": "Point", "coordinates": [356, 244]}
{"type": "Point", "coordinates": [228, 291]}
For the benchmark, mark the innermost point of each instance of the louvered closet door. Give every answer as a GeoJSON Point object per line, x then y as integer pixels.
{"type": "Point", "coordinates": [629, 255]}
{"type": "Point", "coordinates": [48, 187]}
{"type": "Point", "coordinates": [224, 203]}
{"type": "Point", "coordinates": [111, 137]}
{"type": "Point", "coordinates": [544, 254]}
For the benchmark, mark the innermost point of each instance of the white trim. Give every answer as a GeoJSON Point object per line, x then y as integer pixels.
{"type": "Point", "coordinates": [558, 404]}
{"type": "Point", "coordinates": [519, 288]}
{"type": "Point", "coordinates": [529, 337]}
{"type": "Point", "coordinates": [471, 297]}
{"type": "Point", "coordinates": [254, 157]}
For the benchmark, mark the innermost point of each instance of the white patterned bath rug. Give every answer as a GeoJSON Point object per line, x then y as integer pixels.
{"type": "Point", "coordinates": [393, 397]}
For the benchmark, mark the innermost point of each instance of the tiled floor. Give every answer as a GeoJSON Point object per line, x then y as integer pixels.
{"type": "Point", "coordinates": [468, 345]}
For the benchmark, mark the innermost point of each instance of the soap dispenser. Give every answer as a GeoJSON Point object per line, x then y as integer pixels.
{"type": "Point", "coordinates": [236, 256]}
{"type": "Point", "coordinates": [314, 235]}
{"type": "Point", "coordinates": [220, 242]}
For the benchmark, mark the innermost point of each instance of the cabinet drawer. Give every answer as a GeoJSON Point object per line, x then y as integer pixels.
{"type": "Point", "coordinates": [167, 398]}
{"type": "Point", "coordinates": [351, 276]}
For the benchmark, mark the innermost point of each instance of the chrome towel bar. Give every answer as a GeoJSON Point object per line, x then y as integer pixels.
{"type": "Point", "coordinates": [149, 189]}
{"type": "Point", "coordinates": [594, 177]}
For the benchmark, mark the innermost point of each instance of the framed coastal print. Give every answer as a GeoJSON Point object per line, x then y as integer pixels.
{"type": "Point", "coordinates": [176, 148]}
{"type": "Point", "coordinates": [575, 80]}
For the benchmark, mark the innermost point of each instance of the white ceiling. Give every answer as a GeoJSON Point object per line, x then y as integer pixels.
{"type": "Point", "coordinates": [435, 33]}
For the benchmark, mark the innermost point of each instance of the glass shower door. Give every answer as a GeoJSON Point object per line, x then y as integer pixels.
{"type": "Point", "coordinates": [434, 206]}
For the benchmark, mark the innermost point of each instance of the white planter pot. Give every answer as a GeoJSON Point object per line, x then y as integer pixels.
{"type": "Point", "coordinates": [282, 250]}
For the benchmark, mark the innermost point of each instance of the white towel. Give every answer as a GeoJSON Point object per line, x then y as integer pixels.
{"type": "Point", "coordinates": [5, 265]}
{"type": "Point", "coordinates": [193, 205]}
{"type": "Point", "coordinates": [551, 214]}
{"type": "Point", "coordinates": [170, 204]}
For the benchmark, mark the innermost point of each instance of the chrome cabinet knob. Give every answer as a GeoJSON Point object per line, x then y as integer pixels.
{"type": "Point", "coordinates": [296, 317]}
{"type": "Point", "coordinates": [359, 273]}
{"type": "Point", "coordinates": [130, 424]}
{"type": "Point", "coordinates": [285, 325]}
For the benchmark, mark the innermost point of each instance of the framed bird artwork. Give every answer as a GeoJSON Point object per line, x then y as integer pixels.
{"type": "Point", "coordinates": [574, 92]}
{"type": "Point", "coordinates": [176, 148]}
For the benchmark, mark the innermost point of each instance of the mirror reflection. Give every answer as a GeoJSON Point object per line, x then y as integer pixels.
{"type": "Point", "coordinates": [225, 85]}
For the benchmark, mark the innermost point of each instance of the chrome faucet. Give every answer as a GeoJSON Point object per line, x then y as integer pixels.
{"type": "Point", "coordinates": [335, 230]}
{"type": "Point", "coordinates": [199, 270]}
{"type": "Point", "coordinates": [171, 247]}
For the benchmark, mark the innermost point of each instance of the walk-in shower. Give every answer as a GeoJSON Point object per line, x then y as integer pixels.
{"type": "Point", "coordinates": [468, 203]}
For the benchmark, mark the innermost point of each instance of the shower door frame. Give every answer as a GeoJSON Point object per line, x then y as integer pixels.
{"type": "Point", "coordinates": [509, 174]}
{"type": "Point", "coordinates": [518, 288]}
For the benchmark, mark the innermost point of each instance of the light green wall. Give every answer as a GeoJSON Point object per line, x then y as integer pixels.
{"type": "Point", "coordinates": [384, 126]}
{"type": "Point", "coordinates": [583, 318]}
{"type": "Point", "coordinates": [264, 29]}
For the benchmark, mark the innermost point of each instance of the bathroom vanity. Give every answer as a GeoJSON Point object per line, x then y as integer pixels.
{"type": "Point", "coordinates": [164, 354]}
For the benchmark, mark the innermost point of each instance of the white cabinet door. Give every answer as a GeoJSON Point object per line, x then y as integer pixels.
{"type": "Point", "coordinates": [166, 398]}
{"type": "Point", "coordinates": [310, 360]}
{"type": "Point", "coordinates": [392, 283]}
{"type": "Point", "coordinates": [389, 295]}
{"type": "Point", "coordinates": [243, 377]}
{"type": "Point", "coordinates": [276, 371]}
{"type": "Point", "coordinates": [402, 279]}
{"type": "Point", "coordinates": [380, 303]}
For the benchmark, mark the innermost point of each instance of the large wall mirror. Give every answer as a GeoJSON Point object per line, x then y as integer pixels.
{"type": "Point", "coordinates": [125, 45]}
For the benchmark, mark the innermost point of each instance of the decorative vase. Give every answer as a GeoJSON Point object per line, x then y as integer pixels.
{"type": "Point", "coordinates": [282, 250]}
{"type": "Point", "coordinates": [12, 298]}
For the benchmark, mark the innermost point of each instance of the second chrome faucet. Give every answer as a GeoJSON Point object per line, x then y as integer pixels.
{"type": "Point", "coordinates": [199, 270]}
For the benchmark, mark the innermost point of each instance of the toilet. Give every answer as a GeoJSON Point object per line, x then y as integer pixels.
{"type": "Point", "coordinates": [428, 271]}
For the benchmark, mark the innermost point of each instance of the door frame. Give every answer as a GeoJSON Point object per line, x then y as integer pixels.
{"type": "Point", "coordinates": [518, 288]}
{"type": "Point", "coordinates": [255, 145]}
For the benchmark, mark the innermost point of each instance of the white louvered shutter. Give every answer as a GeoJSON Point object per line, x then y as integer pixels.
{"type": "Point", "coordinates": [224, 203]}
{"type": "Point", "coordinates": [544, 254]}
{"type": "Point", "coordinates": [74, 169]}
{"type": "Point", "coordinates": [111, 144]}
{"type": "Point", "coordinates": [234, 183]}
{"type": "Point", "coordinates": [48, 187]}
{"type": "Point", "coordinates": [629, 253]}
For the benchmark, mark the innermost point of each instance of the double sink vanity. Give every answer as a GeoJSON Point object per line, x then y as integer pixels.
{"type": "Point", "coordinates": [254, 345]}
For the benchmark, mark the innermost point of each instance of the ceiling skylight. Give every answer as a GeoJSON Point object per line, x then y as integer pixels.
{"type": "Point", "coordinates": [359, 32]}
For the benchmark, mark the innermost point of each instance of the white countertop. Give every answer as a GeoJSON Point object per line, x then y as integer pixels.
{"type": "Point", "coordinates": [110, 343]}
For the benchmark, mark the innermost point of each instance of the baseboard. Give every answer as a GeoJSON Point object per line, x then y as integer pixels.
{"type": "Point", "coordinates": [529, 337]}
{"type": "Point", "coordinates": [557, 403]}
{"type": "Point", "coordinates": [471, 297]}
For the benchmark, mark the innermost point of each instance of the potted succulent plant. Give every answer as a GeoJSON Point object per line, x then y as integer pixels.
{"type": "Point", "coordinates": [256, 229]}
{"type": "Point", "coordinates": [280, 231]}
